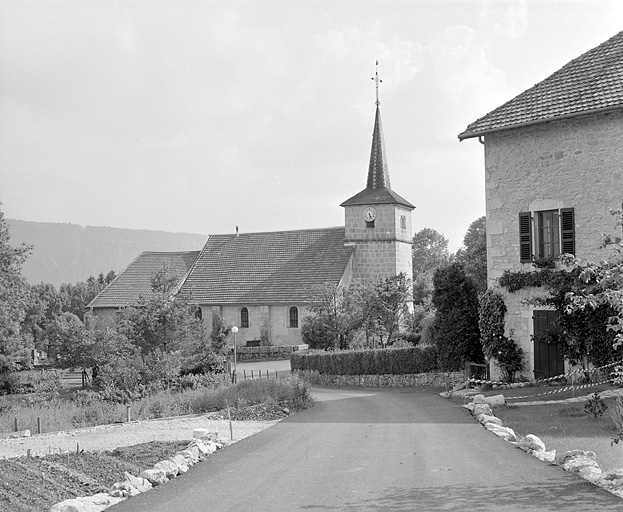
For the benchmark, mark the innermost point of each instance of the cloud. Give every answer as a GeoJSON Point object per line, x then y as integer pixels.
{"type": "Point", "coordinates": [508, 19]}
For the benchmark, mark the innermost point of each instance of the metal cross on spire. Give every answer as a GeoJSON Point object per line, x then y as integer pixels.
{"type": "Point", "coordinates": [377, 80]}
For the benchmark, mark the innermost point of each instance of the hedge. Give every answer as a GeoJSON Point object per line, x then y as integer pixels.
{"type": "Point", "coordinates": [394, 361]}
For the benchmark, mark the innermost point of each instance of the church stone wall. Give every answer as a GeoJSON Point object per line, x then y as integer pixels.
{"type": "Point", "coordinates": [277, 316]}
{"type": "Point", "coordinates": [574, 163]}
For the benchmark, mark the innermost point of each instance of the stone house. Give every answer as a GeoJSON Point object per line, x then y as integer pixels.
{"type": "Point", "coordinates": [260, 282]}
{"type": "Point", "coordinates": [553, 169]}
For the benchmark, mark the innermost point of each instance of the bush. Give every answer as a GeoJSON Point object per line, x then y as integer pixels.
{"type": "Point", "coordinates": [9, 383]}
{"type": "Point", "coordinates": [316, 334]}
{"type": "Point", "coordinates": [396, 361]}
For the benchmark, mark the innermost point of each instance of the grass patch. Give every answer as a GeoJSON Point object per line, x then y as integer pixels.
{"type": "Point", "coordinates": [564, 427]}
{"type": "Point", "coordinates": [87, 409]}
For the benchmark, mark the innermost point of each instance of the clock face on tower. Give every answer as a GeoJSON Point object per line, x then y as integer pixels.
{"type": "Point", "coordinates": [369, 214]}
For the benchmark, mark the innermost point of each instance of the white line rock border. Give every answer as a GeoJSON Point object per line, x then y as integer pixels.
{"type": "Point", "coordinates": [204, 443]}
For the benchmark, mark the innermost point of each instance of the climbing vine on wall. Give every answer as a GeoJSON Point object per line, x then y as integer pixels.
{"type": "Point", "coordinates": [583, 336]}
{"type": "Point", "coordinates": [507, 355]}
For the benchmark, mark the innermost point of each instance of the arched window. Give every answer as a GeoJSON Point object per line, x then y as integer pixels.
{"type": "Point", "coordinates": [294, 316]}
{"type": "Point", "coordinates": [244, 318]}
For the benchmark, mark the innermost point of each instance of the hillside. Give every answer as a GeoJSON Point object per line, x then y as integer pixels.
{"type": "Point", "coordinates": [68, 253]}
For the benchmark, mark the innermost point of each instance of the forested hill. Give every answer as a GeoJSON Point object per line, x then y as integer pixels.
{"type": "Point", "coordinates": [68, 253]}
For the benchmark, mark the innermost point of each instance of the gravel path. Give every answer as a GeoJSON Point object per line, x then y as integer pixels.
{"type": "Point", "coordinates": [109, 437]}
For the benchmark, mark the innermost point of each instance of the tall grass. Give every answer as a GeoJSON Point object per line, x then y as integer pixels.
{"type": "Point", "coordinates": [87, 410]}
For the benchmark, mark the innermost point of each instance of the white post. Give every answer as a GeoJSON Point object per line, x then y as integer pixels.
{"type": "Point", "coordinates": [234, 329]}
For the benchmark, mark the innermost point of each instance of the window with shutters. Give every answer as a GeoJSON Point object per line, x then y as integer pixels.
{"type": "Point", "coordinates": [546, 234]}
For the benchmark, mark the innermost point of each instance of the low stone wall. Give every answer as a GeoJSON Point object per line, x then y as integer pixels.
{"type": "Point", "coordinates": [445, 379]}
{"type": "Point", "coordinates": [267, 353]}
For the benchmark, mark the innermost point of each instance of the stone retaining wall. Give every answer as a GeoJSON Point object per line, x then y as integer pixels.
{"type": "Point", "coordinates": [267, 353]}
{"type": "Point", "coordinates": [445, 379]}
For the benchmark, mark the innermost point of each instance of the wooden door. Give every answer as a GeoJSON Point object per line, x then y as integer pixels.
{"type": "Point", "coordinates": [548, 357]}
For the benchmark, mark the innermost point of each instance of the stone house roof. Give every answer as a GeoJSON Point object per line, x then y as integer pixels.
{"type": "Point", "coordinates": [591, 83]}
{"type": "Point", "coordinates": [134, 282]}
{"type": "Point", "coordinates": [267, 268]}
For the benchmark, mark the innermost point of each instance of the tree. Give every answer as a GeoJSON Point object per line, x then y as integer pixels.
{"type": "Point", "coordinates": [120, 363]}
{"type": "Point", "coordinates": [377, 309]}
{"type": "Point", "coordinates": [391, 298]}
{"type": "Point", "coordinates": [430, 252]}
{"type": "Point", "coordinates": [456, 322]}
{"type": "Point", "coordinates": [45, 304]}
{"type": "Point", "coordinates": [473, 254]}
{"type": "Point", "coordinates": [70, 341]}
{"type": "Point", "coordinates": [15, 344]}
{"type": "Point", "coordinates": [162, 322]}
{"type": "Point", "coordinates": [328, 303]}
{"type": "Point", "coordinates": [75, 297]}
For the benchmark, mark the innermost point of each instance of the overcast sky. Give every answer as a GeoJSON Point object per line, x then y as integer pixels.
{"type": "Point", "coordinates": [199, 116]}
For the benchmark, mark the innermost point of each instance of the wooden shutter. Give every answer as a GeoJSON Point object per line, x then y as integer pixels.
{"type": "Point", "coordinates": [525, 237]}
{"type": "Point", "coordinates": [567, 222]}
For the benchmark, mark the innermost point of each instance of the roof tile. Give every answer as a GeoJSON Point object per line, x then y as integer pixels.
{"type": "Point", "coordinates": [267, 268]}
{"type": "Point", "coordinates": [591, 82]}
{"type": "Point", "coordinates": [134, 282]}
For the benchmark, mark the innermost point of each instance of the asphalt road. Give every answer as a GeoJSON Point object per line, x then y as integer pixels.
{"type": "Point", "coordinates": [362, 450]}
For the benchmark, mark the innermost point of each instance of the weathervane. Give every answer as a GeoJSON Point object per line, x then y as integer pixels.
{"type": "Point", "coordinates": [377, 80]}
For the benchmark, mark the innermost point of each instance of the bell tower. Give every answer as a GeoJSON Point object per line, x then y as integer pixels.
{"type": "Point", "coordinates": [377, 220]}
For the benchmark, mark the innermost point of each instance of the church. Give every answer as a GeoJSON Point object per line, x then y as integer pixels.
{"type": "Point", "coordinates": [260, 282]}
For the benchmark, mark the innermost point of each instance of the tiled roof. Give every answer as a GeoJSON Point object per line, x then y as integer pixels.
{"type": "Point", "coordinates": [135, 280]}
{"type": "Point", "coordinates": [377, 196]}
{"type": "Point", "coordinates": [592, 82]}
{"type": "Point", "coordinates": [267, 268]}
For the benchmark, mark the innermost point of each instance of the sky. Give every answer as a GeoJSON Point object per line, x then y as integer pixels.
{"type": "Point", "coordinates": [200, 116]}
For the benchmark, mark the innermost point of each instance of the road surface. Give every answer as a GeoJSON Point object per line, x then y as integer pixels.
{"type": "Point", "coordinates": [364, 450]}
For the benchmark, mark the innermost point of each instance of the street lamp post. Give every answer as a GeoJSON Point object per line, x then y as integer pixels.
{"type": "Point", "coordinates": [234, 329]}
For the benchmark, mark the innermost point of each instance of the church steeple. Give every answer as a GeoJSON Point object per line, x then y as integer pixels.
{"type": "Point", "coordinates": [378, 188]}
{"type": "Point", "coordinates": [377, 221]}
{"type": "Point", "coordinates": [378, 173]}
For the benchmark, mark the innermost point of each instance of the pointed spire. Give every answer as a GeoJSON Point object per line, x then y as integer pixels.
{"type": "Point", "coordinates": [378, 173]}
